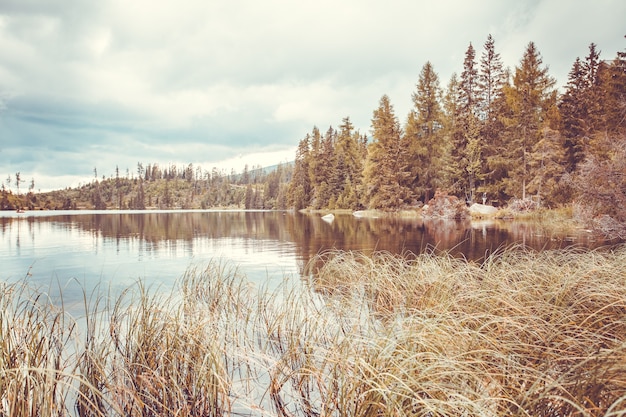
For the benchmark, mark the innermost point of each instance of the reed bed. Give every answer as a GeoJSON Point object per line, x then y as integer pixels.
{"type": "Point", "coordinates": [521, 334]}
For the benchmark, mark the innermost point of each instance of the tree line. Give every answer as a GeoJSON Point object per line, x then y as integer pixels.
{"type": "Point", "coordinates": [491, 135]}
{"type": "Point", "coordinates": [9, 201]}
{"type": "Point", "coordinates": [168, 187]}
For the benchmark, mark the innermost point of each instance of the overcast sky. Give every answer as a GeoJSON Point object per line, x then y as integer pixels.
{"type": "Point", "coordinates": [87, 84]}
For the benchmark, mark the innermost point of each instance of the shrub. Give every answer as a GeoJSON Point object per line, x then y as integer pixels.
{"type": "Point", "coordinates": [600, 185]}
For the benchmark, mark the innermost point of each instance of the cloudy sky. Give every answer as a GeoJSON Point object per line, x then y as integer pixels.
{"type": "Point", "coordinates": [100, 84]}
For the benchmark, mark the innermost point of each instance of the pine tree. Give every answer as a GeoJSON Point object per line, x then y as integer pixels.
{"type": "Point", "coordinates": [141, 196]}
{"type": "Point", "coordinates": [473, 159]}
{"type": "Point", "coordinates": [383, 174]}
{"type": "Point", "coordinates": [316, 164]}
{"type": "Point", "coordinates": [300, 185]}
{"type": "Point", "coordinates": [547, 164]}
{"type": "Point", "coordinates": [528, 99]}
{"type": "Point", "coordinates": [249, 198]}
{"type": "Point", "coordinates": [167, 197]}
{"type": "Point", "coordinates": [426, 100]}
{"type": "Point", "coordinates": [422, 139]}
{"type": "Point", "coordinates": [349, 165]}
{"type": "Point", "coordinates": [258, 199]}
{"type": "Point", "coordinates": [96, 197]}
{"type": "Point", "coordinates": [581, 106]}
{"type": "Point", "coordinates": [469, 85]}
{"type": "Point", "coordinates": [492, 78]}
{"type": "Point", "coordinates": [612, 81]}
{"type": "Point", "coordinates": [271, 187]}
{"type": "Point", "coordinates": [18, 181]}
{"type": "Point", "coordinates": [614, 97]}
{"type": "Point", "coordinates": [573, 115]}
{"type": "Point", "coordinates": [349, 198]}
{"type": "Point", "coordinates": [593, 96]}
{"type": "Point", "coordinates": [326, 178]}
{"type": "Point", "coordinates": [468, 128]}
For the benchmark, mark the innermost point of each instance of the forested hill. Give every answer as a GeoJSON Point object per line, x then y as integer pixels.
{"type": "Point", "coordinates": [153, 187]}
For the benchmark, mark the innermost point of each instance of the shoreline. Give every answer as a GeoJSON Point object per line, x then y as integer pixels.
{"type": "Point", "coordinates": [553, 220]}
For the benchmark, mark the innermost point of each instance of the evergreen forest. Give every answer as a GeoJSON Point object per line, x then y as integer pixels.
{"type": "Point", "coordinates": [493, 134]}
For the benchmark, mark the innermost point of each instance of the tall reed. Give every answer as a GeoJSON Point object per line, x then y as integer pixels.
{"type": "Point", "coordinates": [36, 373]}
{"type": "Point", "coordinates": [522, 334]}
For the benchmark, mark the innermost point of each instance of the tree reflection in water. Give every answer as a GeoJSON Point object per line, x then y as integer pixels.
{"type": "Point", "coordinates": [296, 236]}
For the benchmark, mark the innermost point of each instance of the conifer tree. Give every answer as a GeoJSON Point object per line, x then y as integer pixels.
{"type": "Point", "coordinates": [141, 196]}
{"type": "Point", "coordinates": [383, 173]}
{"type": "Point", "coordinates": [450, 172]}
{"type": "Point", "coordinates": [614, 97]}
{"type": "Point", "coordinates": [492, 78]}
{"type": "Point", "coordinates": [593, 96]}
{"type": "Point", "coordinates": [300, 185]}
{"type": "Point", "coordinates": [468, 85]}
{"type": "Point", "coordinates": [18, 181]}
{"type": "Point", "coordinates": [472, 161]}
{"type": "Point", "coordinates": [258, 200]}
{"type": "Point", "coordinates": [272, 186]}
{"type": "Point", "coordinates": [426, 100]}
{"type": "Point", "coordinates": [167, 197]}
{"type": "Point", "coordinates": [316, 164]}
{"type": "Point", "coordinates": [547, 164]}
{"type": "Point", "coordinates": [573, 115]}
{"type": "Point", "coordinates": [249, 198]}
{"type": "Point", "coordinates": [581, 106]}
{"type": "Point", "coordinates": [349, 165]}
{"type": "Point", "coordinates": [422, 139]}
{"type": "Point", "coordinates": [326, 189]}
{"type": "Point", "coordinates": [468, 128]}
{"type": "Point", "coordinates": [529, 99]}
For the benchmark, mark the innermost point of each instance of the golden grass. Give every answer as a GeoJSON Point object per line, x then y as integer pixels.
{"type": "Point", "coordinates": [522, 334]}
{"type": "Point", "coordinates": [525, 333]}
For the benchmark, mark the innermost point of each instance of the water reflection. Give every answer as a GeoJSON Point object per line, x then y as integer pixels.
{"type": "Point", "coordinates": [161, 245]}
{"type": "Point", "coordinates": [472, 240]}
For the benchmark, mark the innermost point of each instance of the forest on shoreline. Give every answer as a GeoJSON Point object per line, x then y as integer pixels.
{"type": "Point", "coordinates": [493, 135]}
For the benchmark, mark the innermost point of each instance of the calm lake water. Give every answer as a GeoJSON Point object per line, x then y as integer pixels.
{"type": "Point", "coordinates": [71, 251]}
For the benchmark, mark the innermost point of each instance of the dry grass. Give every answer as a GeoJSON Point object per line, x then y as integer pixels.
{"type": "Point", "coordinates": [522, 334]}
{"type": "Point", "coordinates": [525, 333]}
{"type": "Point", "coordinates": [35, 374]}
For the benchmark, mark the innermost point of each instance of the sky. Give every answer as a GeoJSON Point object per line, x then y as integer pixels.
{"type": "Point", "coordinates": [102, 84]}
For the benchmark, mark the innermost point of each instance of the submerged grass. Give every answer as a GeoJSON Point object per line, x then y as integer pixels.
{"type": "Point", "coordinates": [521, 334]}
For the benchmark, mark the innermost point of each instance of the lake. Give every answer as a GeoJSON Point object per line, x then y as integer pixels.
{"type": "Point", "coordinates": [84, 256]}
{"type": "Point", "coordinates": [68, 251]}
